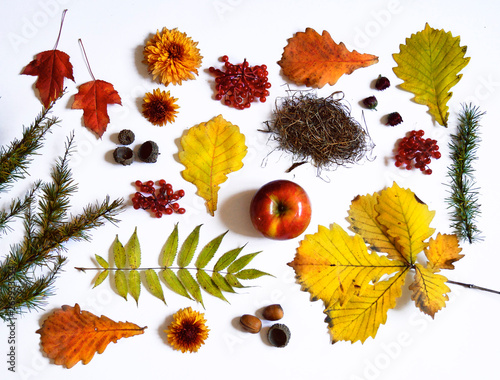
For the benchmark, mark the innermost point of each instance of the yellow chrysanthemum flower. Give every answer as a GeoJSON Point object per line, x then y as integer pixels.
{"type": "Point", "coordinates": [159, 107]}
{"type": "Point", "coordinates": [172, 56]}
{"type": "Point", "coordinates": [188, 331]}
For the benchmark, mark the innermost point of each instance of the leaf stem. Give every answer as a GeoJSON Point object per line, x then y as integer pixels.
{"type": "Point", "coordinates": [82, 269]}
{"type": "Point", "coordinates": [472, 286]}
{"type": "Point", "coordinates": [86, 59]}
{"type": "Point", "coordinates": [60, 29]}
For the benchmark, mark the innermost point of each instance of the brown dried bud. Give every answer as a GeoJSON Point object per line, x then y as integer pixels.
{"type": "Point", "coordinates": [250, 323]}
{"type": "Point", "coordinates": [273, 312]}
{"type": "Point", "coordinates": [382, 83]}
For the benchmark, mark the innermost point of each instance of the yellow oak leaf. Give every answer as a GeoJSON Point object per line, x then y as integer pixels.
{"type": "Point", "coordinates": [429, 290]}
{"type": "Point", "coordinates": [210, 151]}
{"type": "Point", "coordinates": [429, 64]}
{"type": "Point", "coordinates": [69, 335]}
{"type": "Point", "coordinates": [406, 219]}
{"type": "Point", "coordinates": [314, 60]}
{"type": "Point", "coordinates": [442, 252]}
{"type": "Point", "coordinates": [363, 221]}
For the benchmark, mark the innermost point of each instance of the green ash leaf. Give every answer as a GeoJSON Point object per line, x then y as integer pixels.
{"type": "Point", "coordinates": [208, 252]}
{"type": "Point", "coordinates": [119, 254]}
{"type": "Point", "coordinates": [133, 251]}
{"type": "Point", "coordinates": [153, 283]}
{"type": "Point", "coordinates": [188, 248]}
{"type": "Point", "coordinates": [170, 248]}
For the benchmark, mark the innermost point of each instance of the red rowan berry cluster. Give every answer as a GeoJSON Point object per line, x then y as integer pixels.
{"type": "Point", "coordinates": [414, 151]}
{"type": "Point", "coordinates": [163, 201]}
{"type": "Point", "coordinates": [240, 85]}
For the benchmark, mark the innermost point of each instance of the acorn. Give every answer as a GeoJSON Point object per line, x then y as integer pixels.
{"type": "Point", "coordinates": [273, 312]}
{"type": "Point", "coordinates": [382, 83]}
{"type": "Point", "coordinates": [123, 155]}
{"type": "Point", "coordinates": [250, 323]}
{"type": "Point", "coordinates": [278, 335]}
{"type": "Point", "coordinates": [126, 137]}
{"type": "Point", "coordinates": [148, 152]}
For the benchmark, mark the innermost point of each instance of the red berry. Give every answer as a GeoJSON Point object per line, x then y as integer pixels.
{"type": "Point", "coordinates": [138, 183]}
{"type": "Point", "coordinates": [181, 211]}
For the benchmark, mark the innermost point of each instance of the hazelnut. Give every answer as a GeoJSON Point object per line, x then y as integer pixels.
{"type": "Point", "coordinates": [250, 323]}
{"type": "Point", "coordinates": [273, 312]}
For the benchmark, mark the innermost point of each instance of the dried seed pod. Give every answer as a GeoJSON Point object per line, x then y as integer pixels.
{"type": "Point", "coordinates": [123, 155]}
{"type": "Point", "coordinates": [370, 102]}
{"type": "Point", "coordinates": [250, 323]}
{"type": "Point", "coordinates": [394, 118]}
{"type": "Point", "coordinates": [148, 152]}
{"type": "Point", "coordinates": [382, 83]}
{"type": "Point", "coordinates": [273, 312]}
{"type": "Point", "coordinates": [278, 335]}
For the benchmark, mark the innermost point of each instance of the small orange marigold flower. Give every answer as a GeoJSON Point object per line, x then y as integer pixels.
{"type": "Point", "coordinates": [188, 331]}
{"type": "Point", "coordinates": [172, 56]}
{"type": "Point", "coordinates": [159, 107]}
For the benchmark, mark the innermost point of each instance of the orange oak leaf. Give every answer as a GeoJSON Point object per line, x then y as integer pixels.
{"type": "Point", "coordinates": [70, 335]}
{"type": "Point", "coordinates": [93, 98]}
{"type": "Point", "coordinates": [51, 67]}
{"type": "Point", "coordinates": [315, 60]}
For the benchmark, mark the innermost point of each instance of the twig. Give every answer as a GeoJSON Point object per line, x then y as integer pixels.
{"type": "Point", "coordinates": [472, 286]}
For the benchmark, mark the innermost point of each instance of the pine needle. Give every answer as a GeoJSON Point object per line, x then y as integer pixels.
{"type": "Point", "coordinates": [463, 200]}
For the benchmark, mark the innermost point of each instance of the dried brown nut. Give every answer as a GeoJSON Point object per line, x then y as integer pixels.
{"type": "Point", "coordinates": [123, 155]}
{"type": "Point", "coordinates": [273, 312]}
{"type": "Point", "coordinates": [251, 323]}
{"type": "Point", "coordinates": [279, 335]}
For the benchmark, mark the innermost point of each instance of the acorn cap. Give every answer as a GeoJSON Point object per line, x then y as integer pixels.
{"type": "Point", "coordinates": [123, 155]}
{"type": "Point", "coordinates": [148, 152]}
{"type": "Point", "coordinates": [126, 137]}
{"type": "Point", "coordinates": [278, 335]}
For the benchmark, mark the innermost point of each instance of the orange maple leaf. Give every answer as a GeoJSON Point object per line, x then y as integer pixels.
{"type": "Point", "coordinates": [315, 60]}
{"type": "Point", "coordinates": [93, 98]}
{"type": "Point", "coordinates": [70, 335]}
{"type": "Point", "coordinates": [51, 67]}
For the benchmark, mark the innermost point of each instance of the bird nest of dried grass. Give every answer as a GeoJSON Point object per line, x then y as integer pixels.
{"type": "Point", "coordinates": [318, 130]}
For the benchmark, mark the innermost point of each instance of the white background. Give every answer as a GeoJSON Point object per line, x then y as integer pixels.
{"type": "Point", "coordinates": [460, 343]}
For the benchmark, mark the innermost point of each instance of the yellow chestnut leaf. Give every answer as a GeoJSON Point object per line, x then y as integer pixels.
{"type": "Point", "coordinates": [210, 151]}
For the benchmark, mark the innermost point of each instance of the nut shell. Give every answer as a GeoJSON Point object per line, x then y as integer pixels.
{"type": "Point", "coordinates": [123, 155]}
{"type": "Point", "coordinates": [148, 152]}
{"type": "Point", "coordinates": [273, 312]}
{"type": "Point", "coordinates": [278, 335]}
{"type": "Point", "coordinates": [251, 323]}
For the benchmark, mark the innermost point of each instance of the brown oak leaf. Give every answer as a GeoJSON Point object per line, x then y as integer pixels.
{"type": "Point", "coordinates": [70, 335]}
{"type": "Point", "coordinates": [93, 98]}
{"type": "Point", "coordinates": [51, 67]}
{"type": "Point", "coordinates": [314, 60]}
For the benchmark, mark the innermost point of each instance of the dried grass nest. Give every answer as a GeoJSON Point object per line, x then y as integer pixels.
{"type": "Point", "coordinates": [318, 130]}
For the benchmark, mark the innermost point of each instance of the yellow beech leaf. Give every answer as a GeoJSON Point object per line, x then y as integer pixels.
{"type": "Point", "coordinates": [361, 317]}
{"type": "Point", "coordinates": [210, 151]}
{"type": "Point", "coordinates": [429, 291]}
{"type": "Point", "coordinates": [443, 252]}
{"type": "Point", "coordinates": [407, 220]}
{"type": "Point", "coordinates": [333, 266]}
{"type": "Point", "coordinates": [429, 64]}
{"type": "Point", "coordinates": [363, 221]}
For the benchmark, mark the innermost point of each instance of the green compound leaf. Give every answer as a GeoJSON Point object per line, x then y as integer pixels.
{"type": "Point", "coordinates": [208, 252]}
{"type": "Point", "coordinates": [250, 274]}
{"type": "Point", "coordinates": [226, 259]}
{"type": "Point", "coordinates": [241, 263]}
{"type": "Point", "coordinates": [153, 284]}
{"type": "Point", "coordinates": [133, 251]}
{"type": "Point", "coordinates": [170, 248]}
{"type": "Point", "coordinates": [222, 283]}
{"type": "Point", "coordinates": [188, 248]}
{"type": "Point", "coordinates": [100, 278]}
{"type": "Point", "coordinates": [191, 285]}
{"type": "Point", "coordinates": [134, 285]}
{"type": "Point", "coordinates": [103, 263]}
{"type": "Point", "coordinates": [429, 64]}
{"type": "Point", "coordinates": [233, 281]}
{"type": "Point", "coordinates": [174, 283]}
{"type": "Point", "coordinates": [119, 254]}
{"type": "Point", "coordinates": [209, 285]}
{"type": "Point", "coordinates": [121, 283]}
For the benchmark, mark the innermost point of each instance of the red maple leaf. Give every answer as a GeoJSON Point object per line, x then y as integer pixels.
{"type": "Point", "coordinates": [51, 67]}
{"type": "Point", "coordinates": [93, 98]}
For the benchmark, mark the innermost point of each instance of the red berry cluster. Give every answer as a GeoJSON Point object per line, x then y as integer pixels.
{"type": "Point", "coordinates": [414, 147]}
{"type": "Point", "coordinates": [240, 85]}
{"type": "Point", "coordinates": [163, 201]}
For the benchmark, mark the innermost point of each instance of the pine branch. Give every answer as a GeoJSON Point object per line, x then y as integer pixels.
{"type": "Point", "coordinates": [18, 207]}
{"type": "Point", "coordinates": [463, 199]}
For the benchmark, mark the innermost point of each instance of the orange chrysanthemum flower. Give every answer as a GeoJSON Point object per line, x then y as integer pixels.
{"type": "Point", "coordinates": [172, 56]}
{"type": "Point", "coordinates": [159, 107]}
{"type": "Point", "coordinates": [188, 331]}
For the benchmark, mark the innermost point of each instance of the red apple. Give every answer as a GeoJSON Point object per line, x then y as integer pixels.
{"type": "Point", "coordinates": [280, 210]}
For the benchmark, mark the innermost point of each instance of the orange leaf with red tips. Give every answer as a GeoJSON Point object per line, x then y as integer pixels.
{"type": "Point", "coordinates": [70, 335]}
{"type": "Point", "coordinates": [93, 98]}
{"type": "Point", "coordinates": [315, 60]}
{"type": "Point", "coordinates": [51, 67]}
